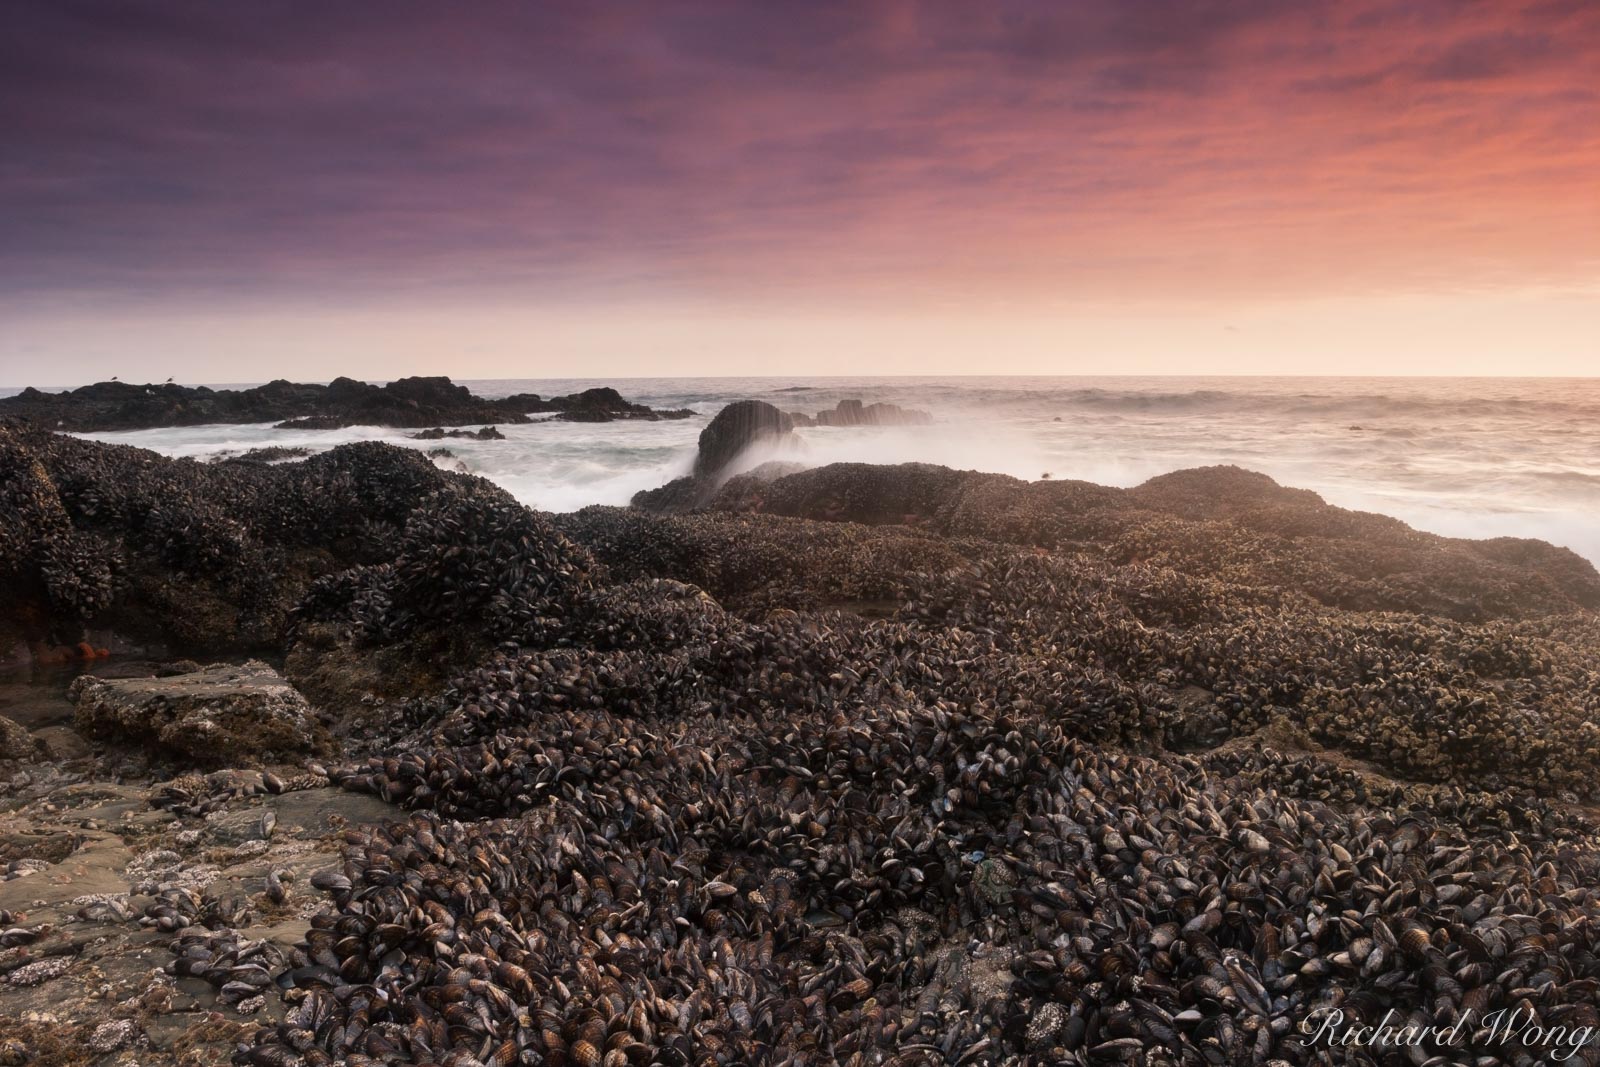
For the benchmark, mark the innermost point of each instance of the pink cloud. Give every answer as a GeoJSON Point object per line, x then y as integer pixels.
{"type": "Point", "coordinates": [865, 151]}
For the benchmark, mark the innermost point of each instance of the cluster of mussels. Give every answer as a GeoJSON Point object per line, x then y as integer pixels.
{"type": "Point", "coordinates": [1225, 522]}
{"type": "Point", "coordinates": [54, 575]}
{"type": "Point", "coordinates": [208, 558]}
{"type": "Point", "coordinates": [722, 805]}
{"type": "Point", "coordinates": [871, 765]}
{"type": "Point", "coordinates": [1144, 654]}
{"type": "Point", "coordinates": [914, 886]}
{"type": "Point", "coordinates": [466, 559]}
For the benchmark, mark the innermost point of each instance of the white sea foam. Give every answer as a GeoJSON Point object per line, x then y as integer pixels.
{"type": "Point", "coordinates": [1465, 457]}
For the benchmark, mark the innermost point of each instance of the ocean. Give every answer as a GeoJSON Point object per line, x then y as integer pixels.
{"type": "Point", "coordinates": [1469, 457]}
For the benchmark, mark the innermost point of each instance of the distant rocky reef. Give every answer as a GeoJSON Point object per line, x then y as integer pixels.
{"type": "Point", "coordinates": [416, 402]}
{"type": "Point", "coordinates": [439, 433]}
{"type": "Point", "coordinates": [855, 413]}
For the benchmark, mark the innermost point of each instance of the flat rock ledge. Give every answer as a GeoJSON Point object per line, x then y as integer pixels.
{"type": "Point", "coordinates": [224, 714]}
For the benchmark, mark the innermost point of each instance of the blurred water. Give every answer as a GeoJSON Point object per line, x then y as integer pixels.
{"type": "Point", "coordinates": [1472, 457]}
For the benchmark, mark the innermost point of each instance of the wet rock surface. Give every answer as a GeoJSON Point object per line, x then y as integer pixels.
{"type": "Point", "coordinates": [151, 936]}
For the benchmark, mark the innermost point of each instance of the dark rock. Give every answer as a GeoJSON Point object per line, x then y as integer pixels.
{"type": "Point", "coordinates": [905, 493]}
{"type": "Point", "coordinates": [63, 743]}
{"type": "Point", "coordinates": [747, 423]}
{"type": "Point", "coordinates": [736, 428]}
{"type": "Point", "coordinates": [585, 415]}
{"type": "Point", "coordinates": [680, 494]}
{"type": "Point", "coordinates": [473, 568]}
{"type": "Point", "coordinates": [602, 404]}
{"type": "Point", "coordinates": [408, 402]}
{"type": "Point", "coordinates": [436, 391]}
{"type": "Point", "coordinates": [439, 433]}
{"type": "Point", "coordinates": [53, 575]}
{"type": "Point", "coordinates": [314, 422]}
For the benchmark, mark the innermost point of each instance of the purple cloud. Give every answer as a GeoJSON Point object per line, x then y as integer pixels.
{"type": "Point", "coordinates": [166, 149]}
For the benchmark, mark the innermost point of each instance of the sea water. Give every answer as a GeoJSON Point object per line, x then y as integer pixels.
{"type": "Point", "coordinates": [1469, 457]}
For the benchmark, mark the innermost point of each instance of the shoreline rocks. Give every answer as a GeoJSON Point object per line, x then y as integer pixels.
{"type": "Point", "coordinates": [201, 558]}
{"type": "Point", "coordinates": [408, 402]}
{"type": "Point", "coordinates": [602, 404]}
{"type": "Point", "coordinates": [899, 763]}
{"type": "Point", "coordinates": [136, 929]}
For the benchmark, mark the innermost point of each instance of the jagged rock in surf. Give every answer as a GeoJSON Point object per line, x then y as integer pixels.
{"type": "Point", "coordinates": [855, 413]}
{"type": "Point", "coordinates": [735, 429]}
{"type": "Point", "coordinates": [439, 433]}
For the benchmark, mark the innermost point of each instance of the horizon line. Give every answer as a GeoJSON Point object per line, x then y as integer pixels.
{"type": "Point", "coordinates": [815, 377]}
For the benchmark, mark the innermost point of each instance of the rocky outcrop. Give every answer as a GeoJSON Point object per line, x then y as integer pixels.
{"type": "Point", "coordinates": [1220, 522]}
{"type": "Point", "coordinates": [439, 433]}
{"type": "Point", "coordinates": [221, 715]}
{"type": "Point", "coordinates": [408, 402]}
{"type": "Point", "coordinates": [53, 575]}
{"type": "Point", "coordinates": [602, 404]}
{"type": "Point", "coordinates": [471, 570]}
{"type": "Point", "coordinates": [269, 454]}
{"type": "Point", "coordinates": [197, 558]}
{"type": "Point", "coordinates": [953, 694]}
{"type": "Point", "coordinates": [855, 413]}
{"type": "Point", "coordinates": [735, 429]}
{"type": "Point", "coordinates": [16, 742]}
{"type": "Point", "coordinates": [747, 424]}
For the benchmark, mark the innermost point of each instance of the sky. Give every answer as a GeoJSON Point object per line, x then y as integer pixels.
{"type": "Point", "coordinates": [225, 192]}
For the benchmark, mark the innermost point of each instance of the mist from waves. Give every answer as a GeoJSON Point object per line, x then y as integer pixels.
{"type": "Point", "coordinates": [1464, 457]}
